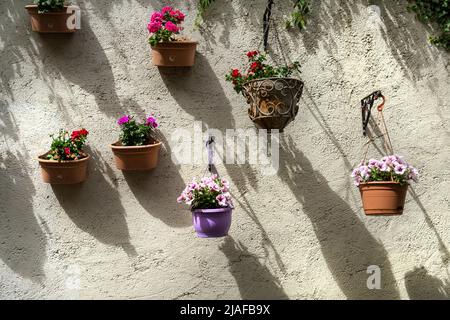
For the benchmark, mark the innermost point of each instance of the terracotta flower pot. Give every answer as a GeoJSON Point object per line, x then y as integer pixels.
{"type": "Point", "coordinates": [64, 172]}
{"type": "Point", "coordinates": [212, 223]}
{"type": "Point", "coordinates": [136, 157]}
{"type": "Point", "coordinates": [273, 101]}
{"type": "Point", "coordinates": [174, 54]}
{"type": "Point", "coordinates": [49, 22]}
{"type": "Point", "coordinates": [383, 197]}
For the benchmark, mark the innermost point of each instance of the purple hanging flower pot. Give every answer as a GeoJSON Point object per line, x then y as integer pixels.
{"type": "Point", "coordinates": [212, 223]}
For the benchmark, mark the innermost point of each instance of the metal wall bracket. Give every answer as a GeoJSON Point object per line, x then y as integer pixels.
{"type": "Point", "coordinates": [366, 108]}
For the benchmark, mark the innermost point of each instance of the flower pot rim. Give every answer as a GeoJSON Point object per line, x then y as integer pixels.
{"type": "Point", "coordinates": [273, 78]}
{"type": "Point", "coordinates": [115, 146]}
{"type": "Point", "coordinates": [213, 210]}
{"type": "Point", "coordinates": [31, 7]}
{"type": "Point", "coordinates": [41, 160]}
{"type": "Point", "coordinates": [180, 42]}
{"type": "Point", "coordinates": [381, 182]}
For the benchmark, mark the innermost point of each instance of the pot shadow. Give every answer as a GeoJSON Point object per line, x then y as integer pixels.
{"type": "Point", "coordinates": [254, 280]}
{"type": "Point", "coordinates": [187, 86]}
{"type": "Point", "coordinates": [22, 241]}
{"type": "Point", "coordinates": [422, 286]}
{"type": "Point", "coordinates": [159, 201]}
{"type": "Point", "coordinates": [212, 107]}
{"type": "Point", "coordinates": [346, 244]}
{"type": "Point", "coordinates": [17, 46]}
{"type": "Point", "coordinates": [95, 207]}
{"type": "Point", "coordinates": [86, 66]}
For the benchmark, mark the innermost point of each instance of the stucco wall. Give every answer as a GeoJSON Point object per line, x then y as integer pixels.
{"type": "Point", "coordinates": [298, 234]}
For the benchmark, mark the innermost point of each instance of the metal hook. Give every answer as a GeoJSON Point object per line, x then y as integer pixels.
{"type": "Point", "coordinates": [209, 142]}
{"type": "Point", "coordinates": [366, 108]}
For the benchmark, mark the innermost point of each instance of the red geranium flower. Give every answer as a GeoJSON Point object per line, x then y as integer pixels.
{"type": "Point", "coordinates": [251, 54]}
{"type": "Point", "coordinates": [255, 65]}
{"type": "Point", "coordinates": [75, 135]}
{"type": "Point", "coordinates": [235, 73]}
{"type": "Point", "coordinates": [67, 151]}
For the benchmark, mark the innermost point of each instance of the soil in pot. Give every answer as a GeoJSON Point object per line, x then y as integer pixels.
{"type": "Point", "coordinates": [49, 22]}
{"type": "Point", "coordinates": [383, 198]}
{"type": "Point", "coordinates": [64, 172]}
{"type": "Point", "coordinates": [212, 223]}
{"type": "Point", "coordinates": [136, 157]}
{"type": "Point", "coordinates": [273, 101]}
{"type": "Point", "coordinates": [174, 54]}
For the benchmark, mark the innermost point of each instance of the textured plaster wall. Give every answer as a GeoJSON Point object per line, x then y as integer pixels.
{"type": "Point", "coordinates": [298, 234]}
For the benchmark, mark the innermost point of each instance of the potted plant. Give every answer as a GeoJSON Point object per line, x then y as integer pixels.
{"type": "Point", "coordinates": [169, 49]}
{"type": "Point", "coordinates": [52, 16]}
{"type": "Point", "coordinates": [211, 206]}
{"type": "Point", "coordinates": [383, 184]}
{"type": "Point", "coordinates": [272, 94]}
{"type": "Point", "coordinates": [66, 162]}
{"type": "Point", "coordinates": [138, 147]}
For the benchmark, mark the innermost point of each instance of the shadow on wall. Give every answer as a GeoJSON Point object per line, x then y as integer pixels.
{"type": "Point", "coordinates": [16, 44]}
{"type": "Point", "coordinates": [422, 286]}
{"type": "Point", "coordinates": [346, 244]}
{"type": "Point", "coordinates": [253, 279]}
{"type": "Point", "coordinates": [404, 35]}
{"type": "Point", "coordinates": [157, 190]}
{"type": "Point", "coordinates": [95, 207]}
{"type": "Point", "coordinates": [22, 241]}
{"type": "Point", "coordinates": [86, 66]}
{"type": "Point", "coordinates": [199, 93]}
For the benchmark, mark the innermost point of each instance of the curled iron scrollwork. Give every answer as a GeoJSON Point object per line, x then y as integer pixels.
{"type": "Point", "coordinates": [273, 101]}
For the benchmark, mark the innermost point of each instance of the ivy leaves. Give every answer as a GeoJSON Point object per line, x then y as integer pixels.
{"type": "Point", "coordinates": [298, 16]}
{"type": "Point", "coordinates": [434, 11]}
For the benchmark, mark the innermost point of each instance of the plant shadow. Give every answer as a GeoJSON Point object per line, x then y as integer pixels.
{"type": "Point", "coordinates": [95, 207]}
{"type": "Point", "coordinates": [254, 280]}
{"type": "Point", "coordinates": [22, 240]}
{"type": "Point", "coordinates": [85, 66]}
{"type": "Point", "coordinates": [347, 246]}
{"type": "Point", "coordinates": [420, 285]}
{"type": "Point", "coordinates": [158, 189]}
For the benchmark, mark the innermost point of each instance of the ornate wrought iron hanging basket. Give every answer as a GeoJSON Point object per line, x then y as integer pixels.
{"type": "Point", "coordinates": [273, 101]}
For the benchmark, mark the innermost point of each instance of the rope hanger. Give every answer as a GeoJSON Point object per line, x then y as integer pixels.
{"type": "Point", "coordinates": [366, 106]}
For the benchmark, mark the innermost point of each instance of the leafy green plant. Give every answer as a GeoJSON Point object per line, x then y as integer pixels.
{"type": "Point", "coordinates": [389, 168]}
{"type": "Point", "coordinates": [258, 69]}
{"type": "Point", "coordinates": [298, 16]}
{"type": "Point", "coordinates": [164, 25]}
{"type": "Point", "coordinates": [434, 11]}
{"type": "Point", "coordinates": [202, 6]}
{"type": "Point", "coordinates": [208, 193]}
{"type": "Point", "coordinates": [68, 147]}
{"type": "Point", "coordinates": [49, 5]}
{"type": "Point", "coordinates": [137, 134]}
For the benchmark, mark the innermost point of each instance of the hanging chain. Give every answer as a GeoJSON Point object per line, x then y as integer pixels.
{"type": "Point", "coordinates": [266, 23]}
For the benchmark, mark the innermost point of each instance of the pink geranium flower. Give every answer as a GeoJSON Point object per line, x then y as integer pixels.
{"type": "Point", "coordinates": [156, 17]}
{"type": "Point", "coordinates": [152, 121]}
{"type": "Point", "coordinates": [123, 120]}
{"type": "Point", "coordinates": [170, 26]}
{"type": "Point", "coordinates": [154, 26]}
{"type": "Point", "coordinates": [166, 9]}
